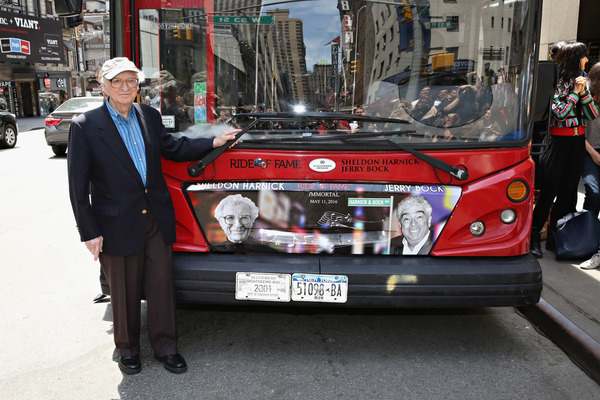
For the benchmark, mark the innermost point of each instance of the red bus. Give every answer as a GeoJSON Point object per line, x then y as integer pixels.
{"type": "Point", "coordinates": [384, 158]}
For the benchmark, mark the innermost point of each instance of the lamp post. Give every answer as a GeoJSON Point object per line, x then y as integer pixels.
{"type": "Point", "coordinates": [355, 47]}
{"type": "Point", "coordinates": [417, 55]}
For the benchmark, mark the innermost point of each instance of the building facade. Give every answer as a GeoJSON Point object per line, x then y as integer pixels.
{"type": "Point", "coordinates": [37, 57]}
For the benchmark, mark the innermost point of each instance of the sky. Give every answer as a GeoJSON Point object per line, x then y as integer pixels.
{"type": "Point", "coordinates": [321, 24]}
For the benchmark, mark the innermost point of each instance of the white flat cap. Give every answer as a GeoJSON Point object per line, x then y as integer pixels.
{"type": "Point", "coordinates": [115, 66]}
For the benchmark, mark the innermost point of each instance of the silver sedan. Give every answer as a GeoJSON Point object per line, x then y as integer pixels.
{"type": "Point", "coordinates": [59, 121]}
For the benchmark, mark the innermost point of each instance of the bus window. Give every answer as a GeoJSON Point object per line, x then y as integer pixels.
{"type": "Point", "coordinates": [384, 158]}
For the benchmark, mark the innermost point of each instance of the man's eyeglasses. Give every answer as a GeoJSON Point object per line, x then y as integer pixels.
{"type": "Point", "coordinates": [244, 219]}
{"type": "Point", "coordinates": [116, 83]}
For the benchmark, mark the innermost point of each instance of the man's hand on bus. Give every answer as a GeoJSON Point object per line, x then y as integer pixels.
{"type": "Point", "coordinates": [95, 246]}
{"type": "Point", "coordinates": [224, 137]}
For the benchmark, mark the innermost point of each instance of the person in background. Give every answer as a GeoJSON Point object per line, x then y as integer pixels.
{"type": "Point", "coordinates": [124, 212]}
{"type": "Point", "coordinates": [451, 120]}
{"type": "Point", "coordinates": [51, 105]}
{"type": "Point", "coordinates": [562, 161]}
{"type": "Point", "coordinates": [488, 128]}
{"type": "Point", "coordinates": [591, 162]}
{"type": "Point", "coordinates": [554, 49]}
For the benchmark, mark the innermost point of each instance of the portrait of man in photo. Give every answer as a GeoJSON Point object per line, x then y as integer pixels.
{"type": "Point", "coordinates": [414, 218]}
{"type": "Point", "coordinates": [236, 215]}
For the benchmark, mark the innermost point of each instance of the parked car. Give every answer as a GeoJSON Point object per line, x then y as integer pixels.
{"type": "Point", "coordinates": [59, 121]}
{"type": "Point", "coordinates": [8, 130]}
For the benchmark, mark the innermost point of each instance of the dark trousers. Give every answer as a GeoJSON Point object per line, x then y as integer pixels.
{"type": "Point", "coordinates": [591, 182]}
{"type": "Point", "coordinates": [561, 165]}
{"type": "Point", "coordinates": [148, 272]}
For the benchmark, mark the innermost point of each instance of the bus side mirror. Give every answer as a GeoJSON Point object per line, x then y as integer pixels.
{"type": "Point", "coordinates": [547, 78]}
{"type": "Point", "coordinates": [67, 8]}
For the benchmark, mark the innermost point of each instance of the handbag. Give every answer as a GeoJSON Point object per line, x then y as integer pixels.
{"type": "Point", "coordinates": [577, 236]}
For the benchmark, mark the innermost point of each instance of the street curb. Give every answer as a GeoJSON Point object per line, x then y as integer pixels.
{"type": "Point", "coordinates": [578, 345]}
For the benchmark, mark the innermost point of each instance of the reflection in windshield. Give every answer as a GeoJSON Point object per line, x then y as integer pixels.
{"type": "Point", "coordinates": [450, 68]}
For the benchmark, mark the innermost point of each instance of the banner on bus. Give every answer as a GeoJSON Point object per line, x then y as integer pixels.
{"type": "Point", "coordinates": [30, 39]}
{"type": "Point", "coordinates": [321, 217]}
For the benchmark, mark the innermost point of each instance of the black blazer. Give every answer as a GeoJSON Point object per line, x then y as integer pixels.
{"type": "Point", "coordinates": [106, 190]}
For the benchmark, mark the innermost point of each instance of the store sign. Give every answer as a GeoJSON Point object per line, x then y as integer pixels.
{"type": "Point", "coordinates": [54, 83]}
{"type": "Point", "coordinates": [80, 57]}
{"type": "Point", "coordinates": [30, 39]}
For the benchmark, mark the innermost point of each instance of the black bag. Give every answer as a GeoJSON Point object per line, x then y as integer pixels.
{"type": "Point", "coordinates": [577, 236]}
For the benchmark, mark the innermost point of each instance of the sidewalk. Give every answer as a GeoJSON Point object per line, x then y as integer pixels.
{"type": "Point", "coordinates": [569, 312]}
{"type": "Point", "coordinates": [572, 291]}
{"type": "Point", "coordinates": [30, 123]}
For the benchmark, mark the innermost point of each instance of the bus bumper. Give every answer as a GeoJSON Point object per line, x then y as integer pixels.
{"type": "Point", "coordinates": [373, 281]}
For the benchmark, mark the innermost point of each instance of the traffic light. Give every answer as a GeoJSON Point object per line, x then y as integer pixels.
{"type": "Point", "coordinates": [189, 34]}
{"type": "Point", "coordinates": [177, 33]}
{"type": "Point", "coordinates": [354, 66]}
{"type": "Point", "coordinates": [442, 61]}
{"type": "Point", "coordinates": [407, 15]}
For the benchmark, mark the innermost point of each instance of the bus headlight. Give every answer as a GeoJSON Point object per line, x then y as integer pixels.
{"type": "Point", "coordinates": [477, 228]}
{"type": "Point", "coordinates": [508, 216]}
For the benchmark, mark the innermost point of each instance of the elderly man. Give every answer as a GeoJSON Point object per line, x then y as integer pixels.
{"type": "Point", "coordinates": [414, 217]}
{"type": "Point", "coordinates": [236, 215]}
{"type": "Point", "coordinates": [124, 212]}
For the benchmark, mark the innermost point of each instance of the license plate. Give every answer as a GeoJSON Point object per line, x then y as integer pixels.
{"type": "Point", "coordinates": [262, 286]}
{"type": "Point", "coordinates": [320, 288]}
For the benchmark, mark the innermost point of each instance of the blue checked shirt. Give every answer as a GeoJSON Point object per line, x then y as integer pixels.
{"type": "Point", "coordinates": [131, 133]}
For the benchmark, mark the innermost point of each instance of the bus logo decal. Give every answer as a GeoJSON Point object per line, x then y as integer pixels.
{"type": "Point", "coordinates": [322, 165]}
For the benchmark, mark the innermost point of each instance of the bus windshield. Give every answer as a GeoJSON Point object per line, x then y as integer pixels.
{"type": "Point", "coordinates": [354, 73]}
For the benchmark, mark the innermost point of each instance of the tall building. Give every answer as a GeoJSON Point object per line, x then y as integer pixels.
{"type": "Point", "coordinates": [319, 86]}
{"type": "Point", "coordinates": [284, 50]}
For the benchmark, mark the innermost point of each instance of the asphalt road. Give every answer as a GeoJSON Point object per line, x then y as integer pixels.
{"type": "Point", "coordinates": [57, 344]}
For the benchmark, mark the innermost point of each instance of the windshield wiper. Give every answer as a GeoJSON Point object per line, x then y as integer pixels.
{"type": "Point", "coordinates": [456, 172]}
{"type": "Point", "coordinates": [195, 169]}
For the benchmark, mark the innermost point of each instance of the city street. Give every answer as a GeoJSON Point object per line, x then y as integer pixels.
{"type": "Point", "coordinates": [58, 343]}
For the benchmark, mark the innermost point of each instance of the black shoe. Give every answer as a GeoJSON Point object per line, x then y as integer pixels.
{"type": "Point", "coordinates": [535, 247]}
{"type": "Point", "coordinates": [174, 363]}
{"type": "Point", "coordinates": [130, 365]}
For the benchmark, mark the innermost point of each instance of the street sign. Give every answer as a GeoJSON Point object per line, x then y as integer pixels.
{"type": "Point", "coordinates": [437, 25]}
{"type": "Point", "coordinates": [246, 20]}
